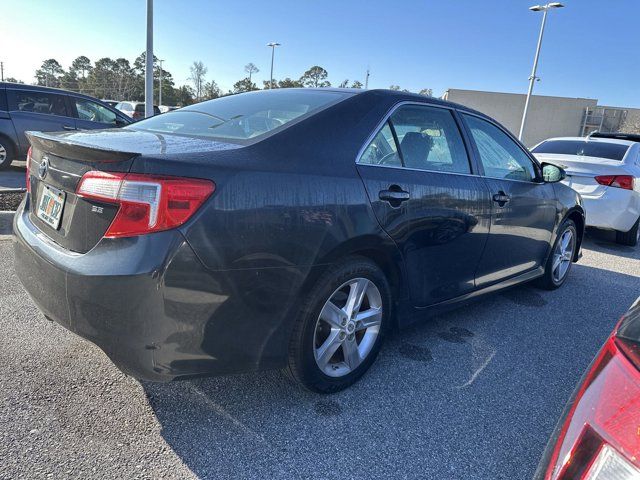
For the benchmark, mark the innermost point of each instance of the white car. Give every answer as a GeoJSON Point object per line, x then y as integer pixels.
{"type": "Point", "coordinates": [604, 168]}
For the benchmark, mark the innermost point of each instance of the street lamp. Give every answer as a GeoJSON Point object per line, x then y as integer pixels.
{"type": "Point", "coordinates": [160, 84]}
{"type": "Point", "coordinates": [273, 46]}
{"type": "Point", "coordinates": [533, 78]}
{"type": "Point", "coordinates": [148, 71]}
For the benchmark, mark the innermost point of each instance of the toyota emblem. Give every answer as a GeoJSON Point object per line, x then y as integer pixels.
{"type": "Point", "coordinates": [43, 168]}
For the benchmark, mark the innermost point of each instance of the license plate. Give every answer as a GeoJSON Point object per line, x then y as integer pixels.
{"type": "Point", "coordinates": [50, 206]}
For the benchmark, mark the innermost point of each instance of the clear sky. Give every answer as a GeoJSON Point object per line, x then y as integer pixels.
{"type": "Point", "coordinates": [591, 47]}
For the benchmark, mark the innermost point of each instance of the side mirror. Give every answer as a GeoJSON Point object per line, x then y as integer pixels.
{"type": "Point", "coordinates": [552, 173]}
{"type": "Point", "coordinates": [120, 122]}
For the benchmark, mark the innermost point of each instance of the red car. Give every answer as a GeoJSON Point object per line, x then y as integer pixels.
{"type": "Point", "coordinates": [599, 437]}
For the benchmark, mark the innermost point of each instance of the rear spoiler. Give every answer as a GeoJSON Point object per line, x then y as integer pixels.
{"type": "Point", "coordinates": [633, 137]}
{"type": "Point", "coordinates": [60, 145]}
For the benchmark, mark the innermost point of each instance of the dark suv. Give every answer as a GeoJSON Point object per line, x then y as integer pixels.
{"type": "Point", "coordinates": [29, 107]}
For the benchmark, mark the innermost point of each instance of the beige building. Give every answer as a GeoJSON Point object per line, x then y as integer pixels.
{"type": "Point", "coordinates": [547, 117]}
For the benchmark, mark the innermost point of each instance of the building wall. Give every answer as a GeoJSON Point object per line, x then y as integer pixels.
{"type": "Point", "coordinates": [547, 117]}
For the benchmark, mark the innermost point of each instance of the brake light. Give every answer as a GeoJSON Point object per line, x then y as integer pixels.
{"type": "Point", "coordinates": [600, 438]}
{"type": "Point", "coordinates": [29, 170]}
{"type": "Point", "coordinates": [618, 181]}
{"type": "Point", "coordinates": [148, 203]}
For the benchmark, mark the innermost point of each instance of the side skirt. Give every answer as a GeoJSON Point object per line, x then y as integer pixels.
{"type": "Point", "coordinates": [410, 314]}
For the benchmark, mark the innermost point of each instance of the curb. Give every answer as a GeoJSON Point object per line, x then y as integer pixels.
{"type": "Point", "coordinates": [12, 190]}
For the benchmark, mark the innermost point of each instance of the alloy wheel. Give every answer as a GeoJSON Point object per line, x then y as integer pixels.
{"type": "Point", "coordinates": [3, 153]}
{"type": "Point", "coordinates": [347, 327]}
{"type": "Point", "coordinates": [563, 255]}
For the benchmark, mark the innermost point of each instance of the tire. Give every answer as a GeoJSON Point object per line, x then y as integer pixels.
{"type": "Point", "coordinates": [632, 237]}
{"type": "Point", "coordinates": [332, 337]}
{"type": "Point", "coordinates": [7, 153]}
{"type": "Point", "coordinates": [553, 278]}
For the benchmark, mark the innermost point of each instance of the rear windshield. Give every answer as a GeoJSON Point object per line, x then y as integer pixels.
{"type": "Point", "coordinates": [241, 118]}
{"type": "Point", "coordinates": [583, 148]}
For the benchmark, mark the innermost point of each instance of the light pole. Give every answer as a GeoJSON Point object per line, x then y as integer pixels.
{"type": "Point", "coordinates": [273, 46]}
{"type": "Point", "coordinates": [533, 78]}
{"type": "Point", "coordinates": [148, 71]}
{"type": "Point", "coordinates": [160, 85]}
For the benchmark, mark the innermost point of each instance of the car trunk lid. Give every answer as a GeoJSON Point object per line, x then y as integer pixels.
{"type": "Point", "coordinates": [83, 221]}
{"type": "Point", "coordinates": [581, 171]}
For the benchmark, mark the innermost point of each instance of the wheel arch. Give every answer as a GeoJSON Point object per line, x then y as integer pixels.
{"type": "Point", "coordinates": [383, 252]}
{"type": "Point", "coordinates": [576, 214]}
{"type": "Point", "coordinates": [12, 144]}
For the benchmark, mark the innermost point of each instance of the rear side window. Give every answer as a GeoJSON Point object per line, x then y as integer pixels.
{"type": "Point", "coordinates": [429, 139]}
{"type": "Point", "coordinates": [501, 157]}
{"type": "Point", "coordinates": [382, 150]}
{"type": "Point", "coordinates": [243, 117]}
{"type": "Point", "coordinates": [36, 102]}
{"type": "Point", "coordinates": [583, 148]}
{"type": "Point", "coordinates": [124, 106]}
{"type": "Point", "coordinates": [3, 99]}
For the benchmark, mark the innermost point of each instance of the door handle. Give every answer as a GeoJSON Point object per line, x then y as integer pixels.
{"type": "Point", "coordinates": [395, 195]}
{"type": "Point", "coordinates": [68, 127]}
{"type": "Point", "coordinates": [501, 198]}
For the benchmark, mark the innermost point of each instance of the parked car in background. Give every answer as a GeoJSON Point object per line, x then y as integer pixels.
{"type": "Point", "coordinates": [111, 103]}
{"type": "Point", "coordinates": [29, 107]}
{"type": "Point", "coordinates": [605, 169]}
{"type": "Point", "coordinates": [597, 438]}
{"type": "Point", "coordinates": [167, 108]}
{"type": "Point", "coordinates": [286, 228]}
{"type": "Point", "coordinates": [135, 110]}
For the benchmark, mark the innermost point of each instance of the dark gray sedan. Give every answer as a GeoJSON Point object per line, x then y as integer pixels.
{"type": "Point", "coordinates": [289, 228]}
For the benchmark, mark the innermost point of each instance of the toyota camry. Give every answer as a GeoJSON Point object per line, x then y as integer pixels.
{"type": "Point", "coordinates": [290, 228]}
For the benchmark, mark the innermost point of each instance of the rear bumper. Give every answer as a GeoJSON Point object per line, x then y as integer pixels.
{"type": "Point", "coordinates": [152, 307]}
{"type": "Point", "coordinates": [616, 209]}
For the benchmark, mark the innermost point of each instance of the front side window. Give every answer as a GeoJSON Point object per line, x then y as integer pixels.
{"type": "Point", "coordinates": [242, 117]}
{"type": "Point", "coordinates": [36, 102]}
{"type": "Point", "coordinates": [429, 139]}
{"type": "Point", "coordinates": [382, 150]}
{"type": "Point", "coordinates": [94, 112]}
{"type": "Point", "coordinates": [501, 157]}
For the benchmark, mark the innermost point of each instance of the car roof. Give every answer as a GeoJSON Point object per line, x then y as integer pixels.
{"type": "Point", "coordinates": [391, 94]}
{"type": "Point", "coordinates": [40, 88]}
{"type": "Point", "coordinates": [594, 140]}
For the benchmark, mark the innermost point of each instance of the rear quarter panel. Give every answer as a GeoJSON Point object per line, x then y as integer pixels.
{"type": "Point", "coordinates": [291, 201]}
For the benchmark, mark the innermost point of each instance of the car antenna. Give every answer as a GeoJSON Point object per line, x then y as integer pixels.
{"type": "Point", "coordinates": [592, 133]}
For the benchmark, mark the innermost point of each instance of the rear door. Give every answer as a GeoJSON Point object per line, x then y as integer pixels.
{"type": "Point", "coordinates": [417, 174]}
{"type": "Point", "coordinates": [523, 208]}
{"type": "Point", "coordinates": [38, 111]}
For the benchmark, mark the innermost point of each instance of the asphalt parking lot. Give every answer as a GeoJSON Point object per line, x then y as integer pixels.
{"type": "Point", "coordinates": [474, 394]}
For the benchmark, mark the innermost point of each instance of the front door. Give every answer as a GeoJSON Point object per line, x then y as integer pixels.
{"type": "Point", "coordinates": [418, 177]}
{"type": "Point", "coordinates": [523, 207]}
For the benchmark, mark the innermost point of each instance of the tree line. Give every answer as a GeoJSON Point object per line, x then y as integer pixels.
{"type": "Point", "coordinates": [121, 80]}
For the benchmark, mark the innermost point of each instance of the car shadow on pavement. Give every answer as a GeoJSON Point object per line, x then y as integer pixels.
{"type": "Point", "coordinates": [604, 241]}
{"type": "Point", "coordinates": [474, 393]}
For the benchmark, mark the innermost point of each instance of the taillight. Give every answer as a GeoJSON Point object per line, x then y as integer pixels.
{"type": "Point", "coordinates": [148, 203]}
{"type": "Point", "coordinates": [600, 438]}
{"type": "Point", "coordinates": [29, 170]}
{"type": "Point", "coordinates": [618, 181]}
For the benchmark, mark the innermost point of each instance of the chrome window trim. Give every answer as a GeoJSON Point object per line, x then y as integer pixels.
{"type": "Point", "coordinates": [422, 171]}
{"type": "Point", "coordinates": [385, 119]}
{"type": "Point", "coordinates": [391, 111]}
